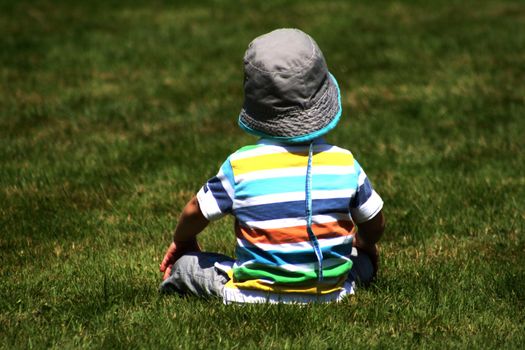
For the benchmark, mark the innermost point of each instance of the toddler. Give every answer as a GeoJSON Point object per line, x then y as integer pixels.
{"type": "Point", "coordinates": [296, 199]}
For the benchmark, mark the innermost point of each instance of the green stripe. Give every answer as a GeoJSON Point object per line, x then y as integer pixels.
{"type": "Point", "coordinates": [247, 148]}
{"type": "Point", "coordinates": [257, 271]}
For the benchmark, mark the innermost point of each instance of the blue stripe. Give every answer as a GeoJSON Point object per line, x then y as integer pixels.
{"type": "Point", "coordinates": [339, 250]}
{"type": "Point", "coordinates": [277, 258]}
{"type": "Point", "coordinates": [311, 234]}
{"type": "Point", "coordinates": [219, 193]}
{"type": "Point", "coordinates": [293, 209]}
{"type": "Point", "coordinates": [363, 193]}
{"type": "Point", "coordinates": [293, 184]}
{"type": "Point", "coordinates": [273, 258]}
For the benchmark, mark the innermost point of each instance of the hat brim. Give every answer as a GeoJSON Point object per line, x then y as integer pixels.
{"type": "Point", "coordinates": [299, 126]}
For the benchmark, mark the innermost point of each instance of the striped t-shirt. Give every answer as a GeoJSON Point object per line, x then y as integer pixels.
{"type": "Point", "coordinates": [264, 187]}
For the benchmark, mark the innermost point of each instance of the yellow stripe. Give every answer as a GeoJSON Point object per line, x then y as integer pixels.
{"type": "Point", "coordinates": [262, 286]}
{"type": "Point", "coordinates": [289, 160]}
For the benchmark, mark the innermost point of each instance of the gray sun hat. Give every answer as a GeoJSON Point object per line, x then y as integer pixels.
{"type": "Point", "coordinates": [289, 94]}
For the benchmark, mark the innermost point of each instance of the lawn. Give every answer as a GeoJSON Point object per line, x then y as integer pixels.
{"type": "Point", "coordinates": [113, 114]}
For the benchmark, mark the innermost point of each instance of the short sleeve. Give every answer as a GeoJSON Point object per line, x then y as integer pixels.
{"type": "Point", "coordinates": [216, 196]}
{"type": "Point", "coordinates": [366, 203]}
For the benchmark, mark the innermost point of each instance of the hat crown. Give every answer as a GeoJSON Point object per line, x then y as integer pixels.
{"type": "Point", "coordinates": [284, 70]}
{"type": "Point", "coordinates": [283, 50]}
{"type": "Point", "coordinates": [289, 94]}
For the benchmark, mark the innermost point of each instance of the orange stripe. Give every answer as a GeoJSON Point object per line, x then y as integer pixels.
{"type": "Point", "coordinates": [294, 234]}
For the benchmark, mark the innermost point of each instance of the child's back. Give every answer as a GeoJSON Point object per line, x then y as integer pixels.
{"type": "Point", "coordinates": [295, 198]}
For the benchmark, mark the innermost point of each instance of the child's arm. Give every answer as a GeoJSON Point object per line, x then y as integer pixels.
{"type": "Point", "coordinates": [191, 222]}
{"type": "Point", "coordinates": [368, 234]}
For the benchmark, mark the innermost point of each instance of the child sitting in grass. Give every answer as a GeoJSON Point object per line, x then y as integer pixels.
{"type": "Point", "coordinates": [296, 199]}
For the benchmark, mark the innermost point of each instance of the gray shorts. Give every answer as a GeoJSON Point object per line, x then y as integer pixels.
{"type": "Point", "coordinates": [197, 274]}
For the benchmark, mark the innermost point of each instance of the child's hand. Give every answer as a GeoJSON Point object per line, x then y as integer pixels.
{"type": "Point", "coordinates": [370, 250]}
{"type": "Point", "coordinates": [368, 234]}
{"type": "Point", "coordinates": [191, 222]}
{"type": "Point", "coordinates": [174, 252]}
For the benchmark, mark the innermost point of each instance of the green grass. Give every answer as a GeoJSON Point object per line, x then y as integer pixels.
{"type": "Point", "coordinates": [113, 114]}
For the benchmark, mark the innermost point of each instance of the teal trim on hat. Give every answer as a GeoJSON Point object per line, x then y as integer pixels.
{"type": "Point", "coordinates": [300, 138]}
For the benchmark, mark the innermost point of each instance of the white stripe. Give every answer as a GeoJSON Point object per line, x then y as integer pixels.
{"type": "Point", "coordinates": [226, 184]}
{"type": "Point", "coordinates": [293, 196]}
{"type": "Point", "coordinates": [208, 205]}
{"type": "Point", "coordinates": [234, 295]}
{"type": "Point", "coordinates": [361, 178]}
{"type": "Point", "coordinates": [258, 151]}
{"type": "Point", "coordinates": [275, 149]}
{"type": "Point", "coordinates": [368, 209]}
{"type": "Point", "coordinates": [300, 221]}
{"type": "Point", "coordinates": [269, 199]}
{"type": "Point", "coordinates": [295, 171]}
{"type": "Point", "coordinates": [298, 246]}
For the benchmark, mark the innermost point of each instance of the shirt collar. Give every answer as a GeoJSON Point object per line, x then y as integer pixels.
{"type": "Point", "coordinates": [267, 141]}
